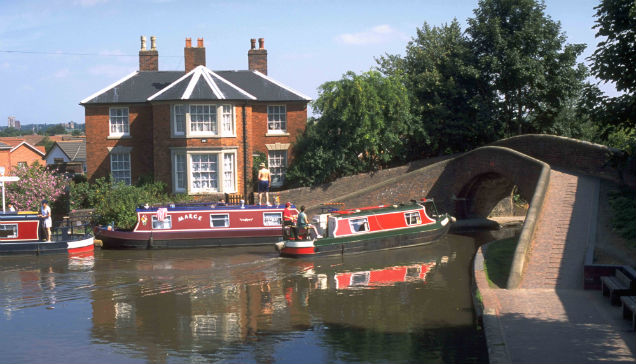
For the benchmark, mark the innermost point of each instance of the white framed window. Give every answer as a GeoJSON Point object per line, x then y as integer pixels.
{"type": "Point", "coordinates": [272, 218]}
{"type": "Point", "coordinates": [219, 220]}
{"type": "Point", "coordinates": [180, 172]}
{"type": "Point", "coordinates": [9, 231]}
{"type": "Point", "coordinates": [277, 162]}
{"type": "Point", "coordinates": [179, 119]}
{"type": "Point", "coordinates": [229, 184]}
{"type": "Point", "coordinates": [161, 225]}
{"type": "Point", "coordinates": [203, 172]}
{"type": "Point", "coordinates": [412, 218]}
{"type": "Point", "coordinates": [227, 120]}
{"type": "Point", "coordinates": [203, 120]}
{"type": "Point", "coordinates": [276, 119]}
{"type": "Point", "coordinates": [118, 122]}
{"type": "Point", "coordinates": [120, 167]}
{"type": "Point", "coordinates": [359, 225]}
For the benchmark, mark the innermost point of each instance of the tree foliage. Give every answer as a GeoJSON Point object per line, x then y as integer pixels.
{"type": "Point", "coordinates": [450, 103]}
{"type": "Point", "coordinates": [363, 122]}
{"type": "Point", "coordinates": [523, 56]}
{"type": "Point", "coordinates": [36, 183]}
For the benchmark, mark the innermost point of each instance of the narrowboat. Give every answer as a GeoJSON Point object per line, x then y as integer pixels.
{"type": "Point", "coordinates": [20, 233]}
{"type": "Point", "coordinates": [368, 229]}
{"type": "Point", "coordinates": [198, 225]}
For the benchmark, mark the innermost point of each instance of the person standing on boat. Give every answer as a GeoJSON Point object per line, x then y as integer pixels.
{"type": "Point", "coordinates": [264, 181]}
{"type": "Point", "coordinates": [288, 220]}
{"type": "Point", "coordinates": [11, 207]}
{"type": "Point", "coordinates": [45, 214]}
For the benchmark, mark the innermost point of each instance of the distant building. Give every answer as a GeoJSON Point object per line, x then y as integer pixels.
{"type": "Point", "coordinates": [69, 156]}
{"type": "Point", "coordinates": [16, 151]}
{"type": "Point", "coordinates": [13, 123]}
{"type": "Point", "coordinates": [194, 129]}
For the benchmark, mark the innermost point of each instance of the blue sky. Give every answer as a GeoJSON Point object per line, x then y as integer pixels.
{"type": "Point", "coordinates": [54, 53]}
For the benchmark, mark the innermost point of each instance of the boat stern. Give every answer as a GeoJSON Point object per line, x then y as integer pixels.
{"type": "Point", "coordinates": [296, 248]}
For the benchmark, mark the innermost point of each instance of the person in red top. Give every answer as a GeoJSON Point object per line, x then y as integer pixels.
{"type": "Point", "coordinates": [289, 219]}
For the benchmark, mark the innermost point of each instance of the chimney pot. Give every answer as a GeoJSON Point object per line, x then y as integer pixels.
{"type": "Point", "coordinates": [253, 42]}
{"type": "Point", "coordinates": [143, 43]}
{"type": "Point", "coordinates": [188, 43]}
{"type": "Point", "coordinates": [200, 42]}
{"type": "Point", "coordinates": [153, 43]}
{"type": "Point", "coordinates": [261, 43]}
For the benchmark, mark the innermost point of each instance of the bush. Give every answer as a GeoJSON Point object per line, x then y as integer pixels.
{"type": "Point", "coordinates": [623, 203]}
{"type": "Point", "coordinates": [36, 184]}
{"type": "Point", "coordinates": [116, 203]}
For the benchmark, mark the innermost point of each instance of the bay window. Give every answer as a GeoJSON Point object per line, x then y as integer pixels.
{"type": "Point", "coordinates": [204, 171]}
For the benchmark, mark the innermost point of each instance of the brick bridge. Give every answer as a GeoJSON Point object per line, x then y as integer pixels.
{"type": "Point", "coordinates": [469, 184]}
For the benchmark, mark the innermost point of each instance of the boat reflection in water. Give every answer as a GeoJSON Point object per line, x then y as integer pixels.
{"type": "Point", "coordinates": [235, 308]}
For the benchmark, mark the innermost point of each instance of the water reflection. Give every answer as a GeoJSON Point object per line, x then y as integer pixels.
{"type": "Point", "coordinates": [249, 305]}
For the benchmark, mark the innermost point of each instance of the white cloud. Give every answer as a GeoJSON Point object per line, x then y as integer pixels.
{"type": "Point", "coordinates": [378, 34]}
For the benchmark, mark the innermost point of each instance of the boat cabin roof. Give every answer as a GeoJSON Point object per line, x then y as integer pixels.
{"type": "Point", "coordinates": [209, 206]}
{"type": "Point", "coordinates": [371, 210]}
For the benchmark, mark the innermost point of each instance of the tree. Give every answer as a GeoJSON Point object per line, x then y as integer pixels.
{"type": "Point", "coordinates": [523, 56]}
{"type": "Point", "coordinates": [55, 130]}
{"type": "Point", "coordinates": [450, 102]}
{"type": "Point", "coordinates": [36, 184]}
{"type": "Point", "coordinates": [363, 123]}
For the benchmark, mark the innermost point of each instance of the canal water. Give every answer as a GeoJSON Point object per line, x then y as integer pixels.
{"type": "Point", "coordinates": [242, 305]}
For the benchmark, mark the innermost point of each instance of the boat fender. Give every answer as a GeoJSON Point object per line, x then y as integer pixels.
{"type": "Point", "coordinates": [453, 219]}
{"type": "Point", "coordinates": [150, 242]}
{"type": "Point", "coordinates": [279, 246]}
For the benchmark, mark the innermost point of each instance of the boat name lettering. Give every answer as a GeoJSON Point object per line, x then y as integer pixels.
{"type": "Point", "coordinates": [247, 220]}
{"type": "Point", "coordinates": [189, 217]}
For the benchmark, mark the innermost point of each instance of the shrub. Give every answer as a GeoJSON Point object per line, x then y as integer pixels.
{"type": "Point", "coordinates": [36, 183]}
{"type": "Point", "coordinates": [623, 203]}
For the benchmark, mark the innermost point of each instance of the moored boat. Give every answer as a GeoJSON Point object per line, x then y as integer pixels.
{"type": "Point", "coordinates": [369, 228]}
{"type": "Point", "coordinates": [198, 225]}
{"type": "Point", "coordinates": [20, 234]}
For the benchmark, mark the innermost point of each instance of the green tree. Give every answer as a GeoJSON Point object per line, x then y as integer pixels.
{"type": "Point", "coordinates": [10, 132]}
{"type": "Point", "coordinates": [363, 123]}
{"type": "Point", "coordinates": [523, 56]}
{"type": "Point", "coordinates": [450, 102]}
{"type": "Point", "coordinates": [56, 130]}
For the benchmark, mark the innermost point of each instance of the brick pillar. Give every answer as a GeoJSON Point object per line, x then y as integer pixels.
{"type": "Point", "coordinates": [257, 58]}
{"type": "Point", "coordinates": [194, 56]}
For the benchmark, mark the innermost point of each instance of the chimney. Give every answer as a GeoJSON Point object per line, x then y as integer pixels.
{"type": "Point", "coordinates": [194, 56]}
{"type": "Point", "coordinates": [257, 58]}
{"type": "Point", "coordinates": [149, 59]}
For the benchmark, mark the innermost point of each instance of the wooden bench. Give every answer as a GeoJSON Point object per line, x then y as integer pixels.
{"type": "Point", "coordinates": [620, 284]}
{"type": "Point", "coordinates": [629, 309]}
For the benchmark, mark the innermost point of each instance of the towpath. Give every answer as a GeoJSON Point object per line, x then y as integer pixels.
{"type": "Point", "coordinates": [550, 318]}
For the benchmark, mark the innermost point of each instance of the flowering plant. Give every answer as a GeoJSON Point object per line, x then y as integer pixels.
{"type": "Point", "coordinates": [36, 183]}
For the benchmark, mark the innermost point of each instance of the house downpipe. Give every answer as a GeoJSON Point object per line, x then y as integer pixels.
{"type": "Point", "coordinates": [245, 169]}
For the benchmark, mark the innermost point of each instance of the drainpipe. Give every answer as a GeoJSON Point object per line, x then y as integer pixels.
{"type": "Point", "coordinates": [244, 156]}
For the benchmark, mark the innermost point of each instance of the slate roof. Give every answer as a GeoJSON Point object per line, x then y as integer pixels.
{"type": "Point", "coordinates": [74, 150]}
{"type": "Point", "coordinates": [199, 84]}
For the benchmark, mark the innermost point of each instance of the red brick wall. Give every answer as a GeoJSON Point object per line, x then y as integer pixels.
{"type": "Point", "coordinates": [148, 60]}
{"type": "Point", "coordinates": [25, 154]}
{"type": "Point", "coordinates": [97, 142]}
{"type": "Point", "coordinates": [296, 124]}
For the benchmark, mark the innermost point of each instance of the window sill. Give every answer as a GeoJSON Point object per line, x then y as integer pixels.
{"type": "Point", "coordinates": [276, 134]}
{"type": "Point", "coordinates": [115, 137]}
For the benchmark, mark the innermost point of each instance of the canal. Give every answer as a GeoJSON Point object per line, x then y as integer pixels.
{"type": "Point", "coordinates": [243, 306]}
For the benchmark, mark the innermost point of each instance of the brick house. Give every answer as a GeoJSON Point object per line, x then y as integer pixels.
{"type": "Point", "coordinates": [17, 151]}
{"type": "Point", "coordinates": [196, 130]}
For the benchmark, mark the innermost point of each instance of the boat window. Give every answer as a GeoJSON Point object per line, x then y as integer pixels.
{"type": "Point", "coordinates": [359, 225]}
{"type": "Point", "coordinates": [360, 279]}
{"type": "Point", "coordinates": [219, 220]}
{"type": "Point", "coordinates": [272, 218]}
{"type": "Point", "coordinates": [165, 224]}
{"type": "Point", "coordinates": [9, 231]}
{"type": "Point", "coordinates": [412, 218]}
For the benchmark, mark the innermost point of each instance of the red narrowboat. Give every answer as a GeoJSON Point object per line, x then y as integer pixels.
{"type": "Point", "coordinates": [20, 233]}
{"type": "Point", "coordinates": [369, 228]}
{"type": "Point", "coordinates": [198, 226]}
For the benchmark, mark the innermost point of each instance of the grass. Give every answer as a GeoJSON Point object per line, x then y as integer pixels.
{"type": "Point", "coordinates": [498, 260]}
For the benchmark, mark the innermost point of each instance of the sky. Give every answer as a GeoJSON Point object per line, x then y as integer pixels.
{"type": "Point", "coordinates": [54, 53]}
